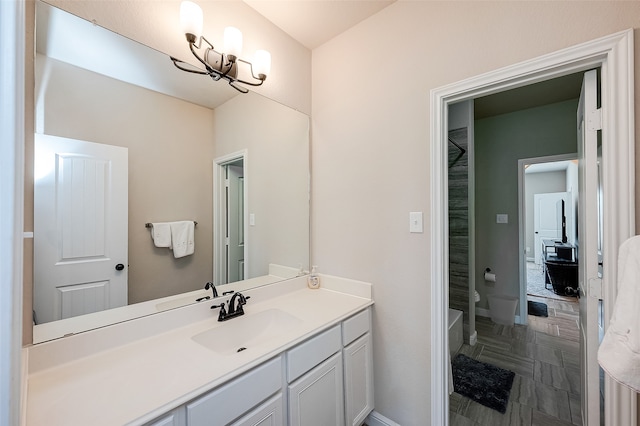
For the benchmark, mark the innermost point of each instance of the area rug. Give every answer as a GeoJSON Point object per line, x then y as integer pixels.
{"type": "Point", "coordinates": [537, 309]}
{"type": "Point", "coordinates": [484, 383]}
{"type": "Point", "coordinates": [536, 286]}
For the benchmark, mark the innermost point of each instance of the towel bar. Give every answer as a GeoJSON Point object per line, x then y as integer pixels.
{"type": "Point", "coordinates": [149, 224]}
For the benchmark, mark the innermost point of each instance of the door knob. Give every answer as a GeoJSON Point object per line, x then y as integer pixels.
{"type": "Point", "coordinates": [119, 267]}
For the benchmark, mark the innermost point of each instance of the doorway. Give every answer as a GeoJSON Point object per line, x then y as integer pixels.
{"type": "Point", "coordinates": [542, 183]}
{"type": "Point", "coordinates": [614, 56]}
{"type": "Point", "coordinates": [230, 207]}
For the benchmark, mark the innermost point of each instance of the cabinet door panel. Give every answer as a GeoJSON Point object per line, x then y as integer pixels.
{"type": "Point", "coordinates": [268, 414]}
{"type": "Point", "coordinates": [176, 417]}
{"type": "Point", "coordinates": [232, 400]}
{"type": "Point", "coordinates": [317, 398]}
{"type": "Point", "coordinates": [358, 378]}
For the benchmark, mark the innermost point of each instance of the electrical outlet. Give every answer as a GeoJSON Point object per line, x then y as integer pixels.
{"type": "Point", "coordinates": [502, 218]}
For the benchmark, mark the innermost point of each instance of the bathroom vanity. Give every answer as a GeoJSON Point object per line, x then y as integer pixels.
{"type": "Point", "coordinates": [297, 356]}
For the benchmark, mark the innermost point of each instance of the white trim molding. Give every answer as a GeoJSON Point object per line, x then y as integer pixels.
{"type": "Point", "coordinates": [614, 55]}
{"type": "Point", "coordinates": [219, 203]}
{"type": "Point", "coordinates": [522, 225]}
{"type": "Point", "coordinates": [376, 419]}
{"type": "Point", "coordinates": [12, 139]}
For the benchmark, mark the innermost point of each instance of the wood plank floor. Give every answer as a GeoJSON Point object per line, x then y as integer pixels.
{"type": "Point", "coordinates": [545, 357]}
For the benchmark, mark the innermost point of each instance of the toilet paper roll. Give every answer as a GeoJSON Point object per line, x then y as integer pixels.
{"type": "Point", "coordinates": [476, 296]}
{"type": "Point", "coordinates": [488, 276]}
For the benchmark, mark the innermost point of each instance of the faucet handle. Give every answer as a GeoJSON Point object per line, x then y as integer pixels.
{"type": "Point", "coordinates": [223, 313]}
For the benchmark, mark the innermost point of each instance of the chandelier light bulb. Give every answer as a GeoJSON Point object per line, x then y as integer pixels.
{"type": "Point", "coordinates": [191, 19]}
{"type": "Point", "coordinates": [232, 43]}
{"type": "Point", "coordinates": [262, 64]}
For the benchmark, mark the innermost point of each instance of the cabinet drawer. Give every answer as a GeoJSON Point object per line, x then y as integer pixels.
{"type": "Point", "coordinates": [312, 352]}
{"type": "Point", "coordinates": [356, 326]}
{"type": "Point", "coordinates": [230, 401]}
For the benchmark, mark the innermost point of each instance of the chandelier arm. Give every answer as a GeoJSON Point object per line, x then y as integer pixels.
{"type": "Point", "coordinates": [195, 71]}
{"type": "Point", "coordinates": [252, 74]}
{"type": "Point", "coordinates": [238, 88]}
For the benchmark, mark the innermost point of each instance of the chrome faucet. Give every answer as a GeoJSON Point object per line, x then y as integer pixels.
{"type": "Point", "coordinates": [234, 307]}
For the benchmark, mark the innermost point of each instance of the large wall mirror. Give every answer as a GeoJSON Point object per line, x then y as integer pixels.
{"type": "Point", "coordinates": [124, 140]}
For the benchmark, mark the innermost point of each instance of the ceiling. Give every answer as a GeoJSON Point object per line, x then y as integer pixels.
{"type": "Point", "coordinates": [314, 22]}
{"type": "Point", "coordinates": [543, 93]}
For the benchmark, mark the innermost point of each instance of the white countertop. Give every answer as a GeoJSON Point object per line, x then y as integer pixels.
{"type": "Point", "coordinates": [133, 373]}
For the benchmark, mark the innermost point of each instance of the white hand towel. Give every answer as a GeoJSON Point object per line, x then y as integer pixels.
{"type": "Point", "coordinates": [161, 234]}
{"type": "Point", "coordinates": [619, 352]}
{"type": "Point", "coordinates": [182, 238]}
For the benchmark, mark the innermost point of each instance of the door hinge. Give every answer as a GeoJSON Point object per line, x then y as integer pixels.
{"type": "Point", "coordinates": [594, 120]}
{"type": "Point", "coordinates": [595, 288]}
{"type": "Point", "coordinates": [226, 183]}
{"type": "Point", "coordinates": [227, 241]}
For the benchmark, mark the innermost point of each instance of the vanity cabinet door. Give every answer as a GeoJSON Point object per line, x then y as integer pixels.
{"type": "Point", "coordinates": [268, 414]}
{"type": "Point", "coordinates": [317, 398]}
{"type": "Point", "coordinates": [358, 380]}
{"type": "Point", "coordinates": [176, 417]}
{"type": "Point", "coordinates": [233, 400]}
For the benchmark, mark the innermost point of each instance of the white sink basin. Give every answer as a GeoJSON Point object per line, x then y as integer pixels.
{"type": "Point", "coordinates": [250, 330]}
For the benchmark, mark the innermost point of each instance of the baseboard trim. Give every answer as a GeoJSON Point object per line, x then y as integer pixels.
{"type": "Point", "coordinates": [473, 338]}
{"type": "Point", "coordinates": [376, 419]}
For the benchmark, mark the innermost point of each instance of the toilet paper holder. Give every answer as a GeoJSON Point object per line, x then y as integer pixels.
{"type": "Point", "coordinates": [489, 276]}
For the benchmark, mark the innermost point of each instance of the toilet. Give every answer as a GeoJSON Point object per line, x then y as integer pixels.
{"type": "Point", "coordinates": [502, 308]}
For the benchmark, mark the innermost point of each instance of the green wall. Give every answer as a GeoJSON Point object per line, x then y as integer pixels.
{"type": "Point", "coordinates": [500, 142]}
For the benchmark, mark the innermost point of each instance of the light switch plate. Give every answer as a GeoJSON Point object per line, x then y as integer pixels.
{"type": "Point", "coordinates": [502, 218]}
{"type": "Point", "coordinates": [252, 219]}
{"type": "Point", "coordinates": [415, 222]}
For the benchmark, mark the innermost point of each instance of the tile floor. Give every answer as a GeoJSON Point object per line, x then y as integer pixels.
{"type": "Point", "coordinates": [544, 355]}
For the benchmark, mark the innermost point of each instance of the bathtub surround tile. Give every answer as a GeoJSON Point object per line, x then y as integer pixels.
{"type": "Point", "coordinates": [571, 360]}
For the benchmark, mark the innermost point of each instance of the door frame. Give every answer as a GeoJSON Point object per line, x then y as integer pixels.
{"type": "Point", "coordinates": [522, 224]}
{"type": "Point", "coordinates": [219, 225]}
{"type": "Point", "coordinates": [13, 27]}
{"type": "Point", "coordinates": [614, 55]}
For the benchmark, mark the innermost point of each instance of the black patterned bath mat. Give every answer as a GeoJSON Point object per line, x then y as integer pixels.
{"type": "Point", "coordinates": [537, 309]}
{"type": "Point", "coordinates": [484, 383]}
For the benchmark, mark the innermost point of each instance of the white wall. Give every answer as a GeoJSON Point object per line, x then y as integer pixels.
{"type": "Point", "coordinates": [157, 24]}
{"type": "Point", "coordinates": [370, 153]}
{"type": "Point", "coordinates": [277, 141]}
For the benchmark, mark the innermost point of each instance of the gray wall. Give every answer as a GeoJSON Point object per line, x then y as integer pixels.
{"type": "Point", "coordinates": [500, 142]}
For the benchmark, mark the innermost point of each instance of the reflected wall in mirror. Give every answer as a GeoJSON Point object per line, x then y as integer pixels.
{"type": "Point", "coordinates": [172, 131]}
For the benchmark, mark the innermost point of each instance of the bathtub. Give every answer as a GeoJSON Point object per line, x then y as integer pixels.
{"type": "Point", "coordinates": [455, 331]}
